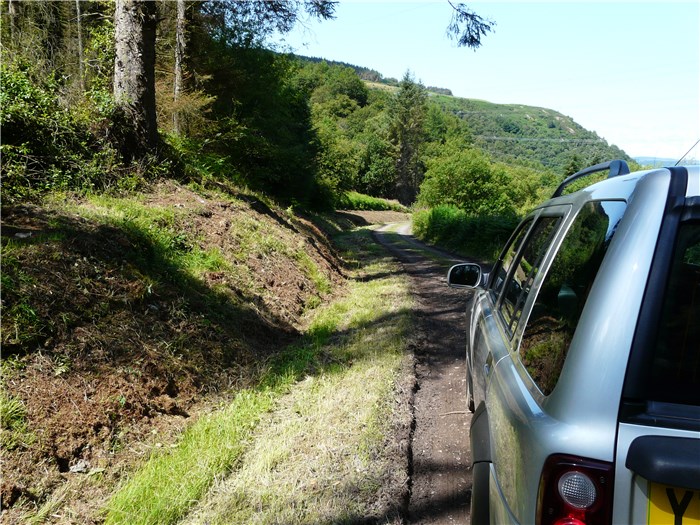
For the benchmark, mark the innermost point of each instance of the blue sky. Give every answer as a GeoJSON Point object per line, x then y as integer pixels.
{"type": "Point", "coordinates": [630, 71]}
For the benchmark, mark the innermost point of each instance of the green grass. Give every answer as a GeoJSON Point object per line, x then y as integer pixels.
{"type": "Point", "coordinates": [13, 421]}
{"type": "Point", "coordinates": [14, 430]}
{"type": "Point", "coordinates": [169, 483]}
{"type": "Point", "coordinates": [301, 447]}
{"type": "Point", "coordinates": [165, 250]}
{"type": "Point", "coordinates": [20, 322]}
{"type": "Point", "coordinates": [358, 201]}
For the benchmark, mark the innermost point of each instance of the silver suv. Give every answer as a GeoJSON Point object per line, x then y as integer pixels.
{"type": "Point", "coordinates": [583, 357]}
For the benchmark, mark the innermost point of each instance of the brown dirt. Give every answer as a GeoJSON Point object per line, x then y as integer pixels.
{"type": "Point", "coordinates": [440, 488]}
{"type": "Point", "coordinates": [118, 358]}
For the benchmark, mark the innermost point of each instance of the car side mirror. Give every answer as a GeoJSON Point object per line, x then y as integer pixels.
{"type": "Point", "coordinates": [465, 275]}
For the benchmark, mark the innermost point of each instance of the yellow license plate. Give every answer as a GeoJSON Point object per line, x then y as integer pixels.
{"type": "Point", "coordinates": [673, 506]}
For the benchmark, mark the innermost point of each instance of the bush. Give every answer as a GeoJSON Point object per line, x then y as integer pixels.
{"type": "Point", "coordinates": [44, 145]}
{"type": "Point", "coordinates": [464, 178]}
{"type": "Point", "coordinates": [476, 236]}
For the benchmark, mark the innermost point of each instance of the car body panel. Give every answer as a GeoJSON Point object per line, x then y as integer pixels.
{"type": "Point", "coordinates": [608, 325]}
{"type": "Point", "coordinates": [580, 415]}
{"type": "Point", "coordinates": [631, 503]}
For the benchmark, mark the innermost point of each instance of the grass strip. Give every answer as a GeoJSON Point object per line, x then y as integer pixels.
{"type": "Point", "coordinates": [353, 200]}
{"type": "Point", "coordinates": [322, 455]}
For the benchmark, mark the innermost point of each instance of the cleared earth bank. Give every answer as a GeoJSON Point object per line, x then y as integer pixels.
{"type": "Point", "coordinates": [190, 357]}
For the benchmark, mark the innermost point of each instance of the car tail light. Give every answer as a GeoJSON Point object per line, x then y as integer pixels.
{"type": "Point", "coordinates": [575, 491]}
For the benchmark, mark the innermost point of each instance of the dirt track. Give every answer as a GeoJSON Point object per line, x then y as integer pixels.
{"type": "Point", "coordinates": [440, 491]}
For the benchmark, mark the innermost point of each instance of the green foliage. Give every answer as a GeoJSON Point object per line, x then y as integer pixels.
{"type": "Point", "coordinates": [14, 430]}
{"type": "Point", "coordinates": [526, 187]}
{"type": "Point", "coordinates": [326, 83]}
{"type": "Point", "coordinates": [262, 120]}
{"type": "Point", "coordinates": [463, 178]}
{"type": "Point", "coordinates": [480, 236]}
{"type": "Point", "coordinates": [338, 156]}
{"type": "Point", "coordinates": [376, 173]}
{"type": "Point", "coordinates": [98, 52]}
{"type": "Point", "coordinates": [38, 135]}
{"type": "Point", "coordinates": [336, 94]}
{"type": "Point", "coordinates": [408, 111]}
{"type": "Point", "coordinates": [48, 147]}
{"type": "Point", "coordinates": [302, 130]}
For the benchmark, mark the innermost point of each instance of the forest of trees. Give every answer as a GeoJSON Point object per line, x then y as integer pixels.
{"type": "Point", "coordinates": [101, 95]}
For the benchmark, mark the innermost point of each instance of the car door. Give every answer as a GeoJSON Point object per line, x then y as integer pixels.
{"type": "Point", "coordinates": [505, 388]}
{"type": "Point", "coordinates": [486, 342]}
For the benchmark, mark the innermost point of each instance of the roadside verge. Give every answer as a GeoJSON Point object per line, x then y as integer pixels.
{"type": "Point", "coordinates": [325, 439]}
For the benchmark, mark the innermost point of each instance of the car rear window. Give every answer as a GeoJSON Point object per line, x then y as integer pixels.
{"type": "Point", "coordinates": [675, 370]}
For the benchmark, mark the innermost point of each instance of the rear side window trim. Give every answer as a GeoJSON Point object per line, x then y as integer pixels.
{"type": "Point", "coordinates": [526, 224]}
{"type": "Point", "coordinates": [635, 407]}
{"type": "Point", "coordinates": [561, 211]}
{"type": "Point", "coordinates": [541, 266]}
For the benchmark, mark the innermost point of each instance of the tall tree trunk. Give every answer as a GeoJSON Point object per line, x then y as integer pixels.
{"type": "Point", "coordinates": [12, 10]}
{"type": "Point", "coordinates": [81, 65]}
{"type": "Point", "coordinates": [134, 71]}
{"type": "Point", "coordinates": [408, 110]}
{"type": "Point", "coordinates": [180, 44]}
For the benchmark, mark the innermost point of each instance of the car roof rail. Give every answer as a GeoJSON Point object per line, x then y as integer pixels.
{"type": "Point", "coordinates": [616, 167]}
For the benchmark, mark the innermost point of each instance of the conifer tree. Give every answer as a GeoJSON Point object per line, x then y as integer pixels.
{"type": "Point", "coordinates": [134, 72]}
{"type": "Point", "coordinates": [408, 110]}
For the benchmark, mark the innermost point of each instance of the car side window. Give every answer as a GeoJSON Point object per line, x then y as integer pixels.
{"type": "Point", "coordinates": [504, 265]}
{"type": "Point", "coordinates": [526, 269]}
{"type": "Point", "coordinates": [564, 290]}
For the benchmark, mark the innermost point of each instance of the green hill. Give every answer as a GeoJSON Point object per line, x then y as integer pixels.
{"type": "Point", "coordinates": [516, 133]}
{"type": "Point", "coordinates": [511, 133]}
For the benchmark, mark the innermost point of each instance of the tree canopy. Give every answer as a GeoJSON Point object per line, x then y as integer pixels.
{"type": "Point", "coordinates": [86, 101]}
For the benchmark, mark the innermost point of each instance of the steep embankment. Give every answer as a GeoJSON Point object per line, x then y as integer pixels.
{"type": "Point", "coordinates": [124, 317]}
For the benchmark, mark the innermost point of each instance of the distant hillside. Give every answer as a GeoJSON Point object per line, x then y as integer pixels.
{"type": "Point", "coordinates": [371, 75]}
{"type": "Point", "coordinates": [514, 132]}
{"type": "Point", "coordinates": [658, 162]}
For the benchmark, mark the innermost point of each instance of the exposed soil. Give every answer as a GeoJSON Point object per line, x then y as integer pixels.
{"type": "Point", "coordinates": [114, 358]}
{"type": "Point", "coordinates": [439, 462]}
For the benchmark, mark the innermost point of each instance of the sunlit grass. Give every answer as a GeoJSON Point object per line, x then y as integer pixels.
{"type": "Point", "coordinates": [353, 200]}
{"type": "Point", "coordinates": [480, 237]}
{"type": "Point", "coordinates": [317, 458]}
{"type": "Point", "coordinates": [171, 482]}
{"type": "Point", "coordinates": [172, 253]}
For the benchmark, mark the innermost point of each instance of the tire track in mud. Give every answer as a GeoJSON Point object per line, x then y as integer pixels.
{"type": "Point", "coordinates": [439, 455]}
